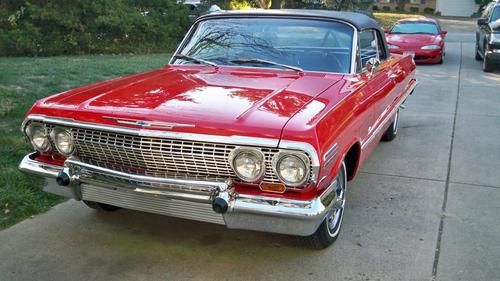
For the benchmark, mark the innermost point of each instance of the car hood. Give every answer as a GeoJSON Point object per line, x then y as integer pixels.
{"type": "Point", "coordinates": [413, 40]}
{"type": "Point", "coordinates": [495, 25]}
{"type": "Point", "coordinates": [254, 102]}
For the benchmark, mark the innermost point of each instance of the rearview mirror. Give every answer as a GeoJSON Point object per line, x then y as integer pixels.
{"type": "Point", "coordinates": [482, 21]}
{"type": "Point", "coordinates": [372, 65]}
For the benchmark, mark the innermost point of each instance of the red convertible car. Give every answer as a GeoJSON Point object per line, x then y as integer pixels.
{"type": "Point", "coordinates": [258, 122]}
{"type": "Point", "coordinates": [422, 37]}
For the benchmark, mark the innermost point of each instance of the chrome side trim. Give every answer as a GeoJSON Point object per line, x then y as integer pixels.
{"type": "Point", "coordinates": [240, 140]}
{"type": "Point", "coordinates": [388, 117]}
{"type": "Point", "coordinates": [330, 155]}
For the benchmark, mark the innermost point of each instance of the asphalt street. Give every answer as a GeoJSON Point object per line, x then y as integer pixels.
{"type": "Point", "coordinates": [425, 207]}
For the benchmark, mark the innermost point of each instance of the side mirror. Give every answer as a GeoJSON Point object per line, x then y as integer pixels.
{"type": "Point", "coordinates": [482, 21]}
{"type": "Point", "coordinates": [444, 32]}
{"type": "Point", "coordinates": [387, 30]}
{"type": "Point", "coordinates": [372, 65]}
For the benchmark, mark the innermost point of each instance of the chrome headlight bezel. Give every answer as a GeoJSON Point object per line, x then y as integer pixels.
{"type": "Point", "coordinates": [40, 128]}
{"type": "Point", "coordinates": [431, 47]}
{"type": "Point", "coordinates": [59, 132]}
{"type": "Point", "coordinates": [278, 159]}
{"type": "Point", "coordinates": [240, 152]}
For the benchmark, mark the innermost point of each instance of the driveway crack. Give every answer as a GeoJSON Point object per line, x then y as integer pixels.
{"type": "Point", "coordinates": [447, 184]}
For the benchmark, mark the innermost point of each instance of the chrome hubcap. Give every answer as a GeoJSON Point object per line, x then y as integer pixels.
{"type": "Point", "coordinates": [335, 218]}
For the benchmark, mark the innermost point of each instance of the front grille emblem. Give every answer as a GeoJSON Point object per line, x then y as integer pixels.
{"type": "Point", "coordinates": [148, 124]}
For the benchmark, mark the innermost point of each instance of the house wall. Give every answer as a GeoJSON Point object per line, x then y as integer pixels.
{"type": "Point", "coordinates": [456, 8]}
{"type": "Point", "coordinates": [416, 6]}
{"type": "Point", "coordinates": [460, 8]}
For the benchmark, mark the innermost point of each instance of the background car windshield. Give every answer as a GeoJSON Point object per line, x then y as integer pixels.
{"type": "Point", "coordinates": [415, 27]}
{"type": "Point", "coordinates": [308, 44]}
{"type": "Point", "coordinates": [496, 14]}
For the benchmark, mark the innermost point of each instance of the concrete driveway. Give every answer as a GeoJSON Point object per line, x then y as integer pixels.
{"type": "Point", "coordinates": [424, 207]}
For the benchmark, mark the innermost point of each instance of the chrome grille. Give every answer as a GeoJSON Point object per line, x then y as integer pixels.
{"type": "Point", "coordinates": [160, 156]}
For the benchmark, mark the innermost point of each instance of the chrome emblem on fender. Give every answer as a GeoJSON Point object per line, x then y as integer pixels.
{"type": "Point", "coordinates": [148, 124]}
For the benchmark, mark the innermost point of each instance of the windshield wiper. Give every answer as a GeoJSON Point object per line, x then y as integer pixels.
{"type": "Point", "coordinates": [185, 57]}
{"type": "Point", "coordinates": [253, 60]}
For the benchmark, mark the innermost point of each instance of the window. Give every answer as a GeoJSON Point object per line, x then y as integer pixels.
{"type": "Point", "coordinates": [495, 15]}
{"type": "Point", "coordinates": [308, 44]}
{"type": "Point", "coordinates": [415, 27]}
{"type": "Point", "coordinates": [418, 2]}
{"type": "Point", "coordinates": [368, 47]}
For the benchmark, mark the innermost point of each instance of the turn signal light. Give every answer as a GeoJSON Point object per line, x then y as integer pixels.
{"type": "Point", "coordinates": [273, 187]}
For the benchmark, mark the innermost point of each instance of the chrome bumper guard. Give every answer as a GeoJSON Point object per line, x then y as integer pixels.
{"type": "Point", "coordinates": [202, 200]}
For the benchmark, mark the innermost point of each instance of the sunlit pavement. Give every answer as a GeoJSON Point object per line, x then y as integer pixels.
{"type": "Point", "coordinates": [425, 207]}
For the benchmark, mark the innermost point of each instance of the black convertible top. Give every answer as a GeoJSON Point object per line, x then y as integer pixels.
{"type": "Point", "coordinates": [358, 20]}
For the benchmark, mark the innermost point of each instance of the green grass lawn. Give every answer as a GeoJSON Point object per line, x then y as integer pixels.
{"type": "Point", "coordinates": [386, 20]}
{"type": "Point", "coordinates": [24, 80]}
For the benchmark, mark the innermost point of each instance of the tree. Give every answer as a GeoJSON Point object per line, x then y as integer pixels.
{"type": "Point", "coordinates": [482, 3]}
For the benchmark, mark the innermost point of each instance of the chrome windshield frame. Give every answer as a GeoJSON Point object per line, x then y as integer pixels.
{"type": "Point", "coordinates": [352, 68]}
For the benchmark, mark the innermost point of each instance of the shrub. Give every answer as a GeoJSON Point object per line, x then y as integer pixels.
{"type": "Point", "coordinates": [428, 10]}
{"type": "Point", "coordinates": [414, 9]}
{"type": "Point", "coordinates": [57, 27]}
{"type": "Point", "coordinates": [386, 8]}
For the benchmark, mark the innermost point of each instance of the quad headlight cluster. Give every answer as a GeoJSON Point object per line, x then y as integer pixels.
{"type": "Point", "coordinates": [292, 168]}
{"type": "Point", "coordinates": [41, 140]}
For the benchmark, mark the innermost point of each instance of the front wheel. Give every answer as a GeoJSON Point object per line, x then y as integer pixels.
{"type": "Point", "coordinates": [478, 55]}
{"type": "Point", "coordinates": [392, 131]}
{"type": "Point", "coordinates": [329, 229]}
{"type": "Point", "coordinates": [487, 65]}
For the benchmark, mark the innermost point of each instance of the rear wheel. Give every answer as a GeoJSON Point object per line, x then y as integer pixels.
{"type": "Point", "coordinates": [392, 131]}
{"type": "Point", "coordinates": [100, 206]}
{"type": "Point", "coordinates": [329, 229]}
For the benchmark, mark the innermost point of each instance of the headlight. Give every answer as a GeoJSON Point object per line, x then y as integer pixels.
{"type": "Point", "coordinates": [37, 134]}
{"type": "Point", "coordinates": [292, 168]}
{"type": "Point", "coordinates": [431, 47]}
{"type": "Point", "coordinates": [495, 38]}
{"type": "Point", "coordinates": [392, 47]}
{"type": "Point", "coordinates": [248, 164]}
{"type": "Point", "coordinates": [63, 140]}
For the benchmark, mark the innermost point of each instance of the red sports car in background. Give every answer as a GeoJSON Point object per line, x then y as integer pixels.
{"type": "Point", "coordinates": [423, 37]}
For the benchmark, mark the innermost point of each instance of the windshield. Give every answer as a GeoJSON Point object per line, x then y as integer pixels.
{"type": "Point", "coordinates": [305, 44]}
{"type": "Point", "coordinates": [415, 27]}
{"type": "Point", "coordinates": [496, 14]}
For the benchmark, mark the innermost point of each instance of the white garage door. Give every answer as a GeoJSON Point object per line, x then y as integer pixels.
{"type": "Point", "coordinates": [456, 8]}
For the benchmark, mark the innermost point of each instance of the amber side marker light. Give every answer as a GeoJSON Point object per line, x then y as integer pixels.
{"type": "Point", "coordinates": [58, 157]}
{"type": "Point", "coordinates": [273, 187]}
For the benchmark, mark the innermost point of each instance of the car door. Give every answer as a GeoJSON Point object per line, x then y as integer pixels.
{"type": "Point", "coordinates": [380, 83]}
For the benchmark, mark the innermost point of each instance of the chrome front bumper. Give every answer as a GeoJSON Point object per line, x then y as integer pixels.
{"type": "Point", "coordinates": [185, 198]}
